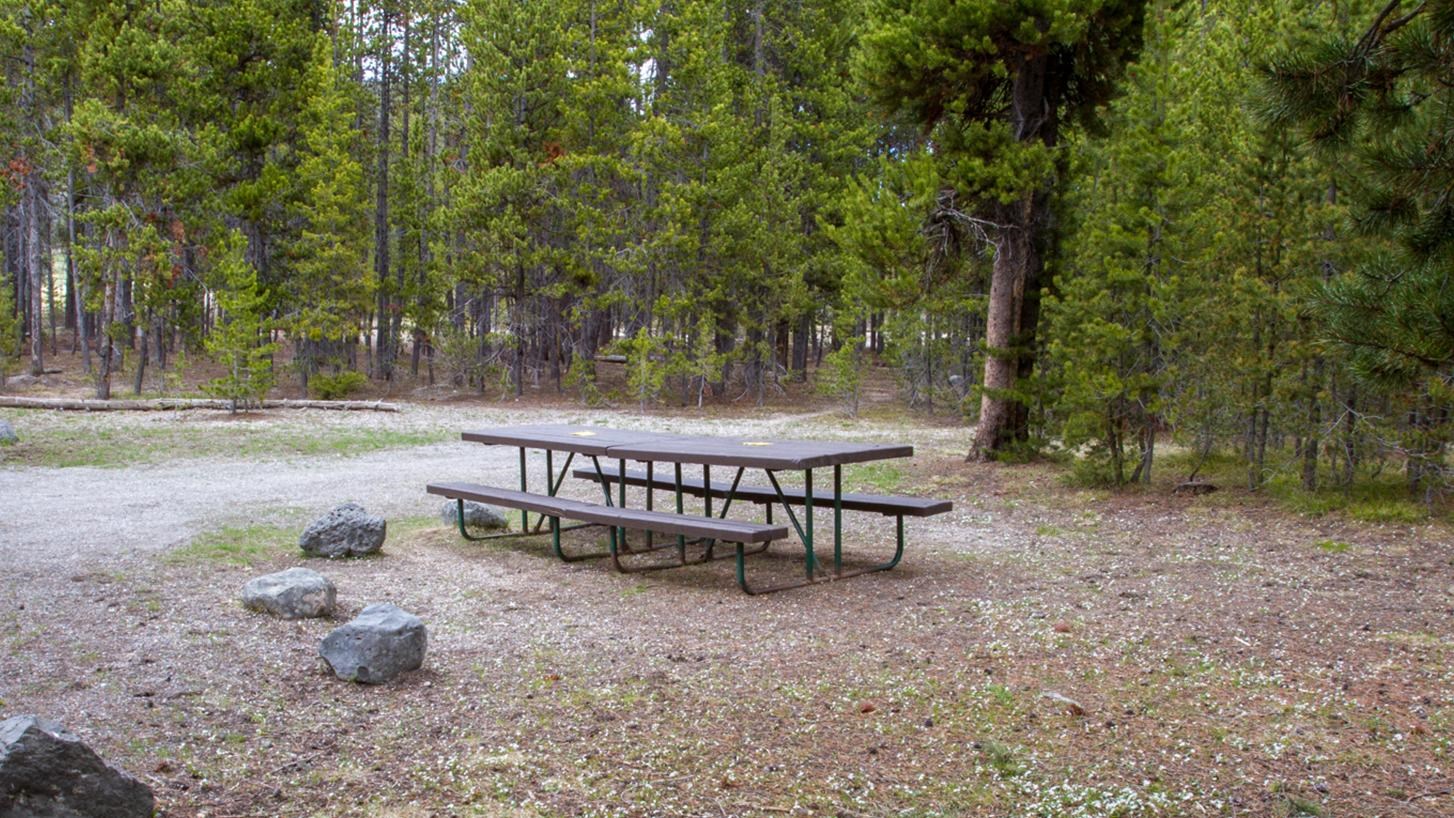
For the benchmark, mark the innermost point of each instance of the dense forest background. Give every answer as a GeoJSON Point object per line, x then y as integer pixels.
{"type": "Point", "coordinates": [1218, 229]}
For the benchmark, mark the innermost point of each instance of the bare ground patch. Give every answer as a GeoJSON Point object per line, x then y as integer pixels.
{"type": "Point", "coordinates": [1221, 660]}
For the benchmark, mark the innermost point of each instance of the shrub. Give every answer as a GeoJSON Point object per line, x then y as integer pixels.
{"type": "Point", "coordinates": [335, 387]}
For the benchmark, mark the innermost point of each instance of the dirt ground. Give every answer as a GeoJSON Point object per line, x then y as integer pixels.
{"type": "Point", "coordinates": [1042, 651]}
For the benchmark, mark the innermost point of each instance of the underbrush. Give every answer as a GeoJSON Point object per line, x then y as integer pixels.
{"type": "Point", "coordinates": [1381, 497]}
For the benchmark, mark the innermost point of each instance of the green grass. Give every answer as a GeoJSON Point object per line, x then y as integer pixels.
{"type": "Point", "coordinates": [1382, 500]}
{"type": "Point", "coordinates": [237, 545]}
{"type": "Point", "coordinates": [1335, 546]}
{"type": "Point", "coordinates": [62, 446]}
{"type": "Point", "coordinates": [877, 478]}
{"type": "Point", "coordinates": [1002, 758]}
{"type": "Point", "coordinates": [1372, 499]}
{"type": "Point", "coordinates": [249, 545]}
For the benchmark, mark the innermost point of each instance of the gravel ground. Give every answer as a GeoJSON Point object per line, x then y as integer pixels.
{"type": "Point", "coordinates": [1043, 651]}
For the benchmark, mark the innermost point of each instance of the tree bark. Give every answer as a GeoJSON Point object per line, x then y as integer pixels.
{"type": "Point", "coordinates": [385, 344]}
{"type": "Point", "coordinates": [33, 264]}
{"type": "Point", "coordinates": [1017, 276]}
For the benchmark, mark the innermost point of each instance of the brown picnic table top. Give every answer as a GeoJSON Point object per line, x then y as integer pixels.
{"type": "Point", "coordinates": [746, 452]}
{"type": "Point", "coordinates": [562, 437]}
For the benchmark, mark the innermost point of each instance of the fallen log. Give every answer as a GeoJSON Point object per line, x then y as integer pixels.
{"type": "Point", "coordinates": [177, 404]}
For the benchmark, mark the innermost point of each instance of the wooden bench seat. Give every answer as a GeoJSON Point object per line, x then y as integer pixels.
{"type": "Point", "coordinates": [887, 504]}
{"type": "Point", "coordinates": [661, 522]}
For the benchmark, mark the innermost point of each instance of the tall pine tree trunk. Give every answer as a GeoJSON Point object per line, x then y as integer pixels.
{"type": "Point", "coordinates": [34, 265]}
{"type": "Point", "coordinates": [1016, 278]}
{"type": "Point", "coordinates": [386, 322]}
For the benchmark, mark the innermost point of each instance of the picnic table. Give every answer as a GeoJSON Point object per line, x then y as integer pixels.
{"type": "Point", "coordinates": [738, 455]}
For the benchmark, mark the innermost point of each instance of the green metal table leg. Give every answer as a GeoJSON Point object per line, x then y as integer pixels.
{"type": "Point", "coordinates": [810, 560]}
{"type": "Point", "coordinates": [681, 539]}
{"type": "Point", "coordinates": [621, 491]}
{"type": "Point", "coordinates": [838, 519]}
{"type": "Point", "coordinates": [459, 519]}
{"type": "Point", "coordinates": [601, 478]}
{"type": "Point", "coordinates": [650, 476]}
{"type": "Point", "coordinates": [524, 515]}
{"type": "Point", "coordinates": [707, 500]}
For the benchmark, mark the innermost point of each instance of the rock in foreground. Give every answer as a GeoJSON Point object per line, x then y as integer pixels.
{"type": "Point", "coordinates": [476, 515]}
{"type": "Point", "coordinates": [297, 593]}
{"type": "Point", "coordinates": [381, 643]}
{"type": "Point", "coordinates": [346, 531]}
{"type": "Point", "coordinates": [47, 772]}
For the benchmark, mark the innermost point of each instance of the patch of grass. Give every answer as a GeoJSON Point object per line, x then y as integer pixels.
{"type": "Point", "coordinates": [883, 477]}
{"type": "Point", "coordinates": [1292, 806]}
{"type": "Point", "coordinates": [1048, 531]}
{"type": "Point", "coordinates": [1385, 500]}
{"type": "Point", "coordinates": [236, 545]}
{"type": "Point", "coordinates": [404, 527]}
{"type": "Point", "coordinates": [1388, 511]}
{"type": "Point", "coordinates": [1381, 499]}
{"type": "Point", "coordinates": [64, 446]}
{"type": "Point", "coordinates": [1334, 546]}
{"type": "Point", "coordinates": [1002, 758]}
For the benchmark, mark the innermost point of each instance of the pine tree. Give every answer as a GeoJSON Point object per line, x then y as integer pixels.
{"type": "Point", "coordinates": [237, 341]}
{"type": "Point", "coordinates": [330, 292]}
{"type": "Point", "coordinates": [1379, 102]}
{"type": "Point", "coordinates": [9, 331]}
{"type": "Point", "coordinates": [1000, 85]}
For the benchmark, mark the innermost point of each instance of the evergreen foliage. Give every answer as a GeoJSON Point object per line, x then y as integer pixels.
{"type": "Point", "coordinates": [1378, 104]}
{"type": "Point", "coordinates": [238, 341]}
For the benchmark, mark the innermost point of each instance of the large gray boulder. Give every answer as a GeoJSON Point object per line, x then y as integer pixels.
{"type": "Point", "coordinates": [7, 433]}
{"type": "Point", "coordinates": [346, 531]}
{"type": "Point", "coordinates": [48, 772]}
{"type": "Point", "coordinates": [297, 593]}
{"type": "Point", "coordinates": [381, 643]}
{"type": "Point", "coordinates": [476, 515]}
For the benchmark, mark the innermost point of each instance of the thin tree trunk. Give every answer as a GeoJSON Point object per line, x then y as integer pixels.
{"type": "Point", "coordinates": [384, 347]}
{"type": "Point", "coordinates": [141, 361]}
{"type": "Point", "coordinates": [33, 263]}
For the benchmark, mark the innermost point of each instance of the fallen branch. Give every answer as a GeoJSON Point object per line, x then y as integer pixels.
{"type": "Point", "coordinates": [177, 404]}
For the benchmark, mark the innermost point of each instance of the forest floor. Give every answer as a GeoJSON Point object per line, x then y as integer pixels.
{"type": "Point", "coordinates": [1043, 650]}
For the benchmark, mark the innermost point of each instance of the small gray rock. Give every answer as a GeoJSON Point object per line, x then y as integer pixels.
{"type": "Point", "coordinates": [476, 515]}
{"type": "Point", "coordinates": [8, 436]}
{"type": "Point", "coordinates": [381, 643]}
{"type": "Point", "coordinates": [48, 772]}
{"type": "Point", "coordinates": [297, 593]}
{"type": "Point", "coordinates": [346, 531]}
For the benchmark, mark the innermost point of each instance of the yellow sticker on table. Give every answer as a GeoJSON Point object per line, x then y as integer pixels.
{"type": "Point", "coordinates": [584, 434]}
{"type": "Point", "coordinates": [756, 443]}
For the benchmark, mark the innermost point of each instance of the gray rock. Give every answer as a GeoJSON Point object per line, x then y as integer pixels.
{"type": "Point", "coordinates": [381, 643]}
{"type": "Point", "coordinates": [48, 772]}
{"type": "Point", "coordinates": [8, 436]}
{"type": "Point", "coordinates": [297, 593]}
{"type": "Point", "coordinates": [476, 515]}
{"type": "Point", "coordinates": [346, 531]}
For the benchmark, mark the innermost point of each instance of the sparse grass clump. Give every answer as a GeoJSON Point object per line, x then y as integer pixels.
{"type": "Point", "coordinates": [236, 545]}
